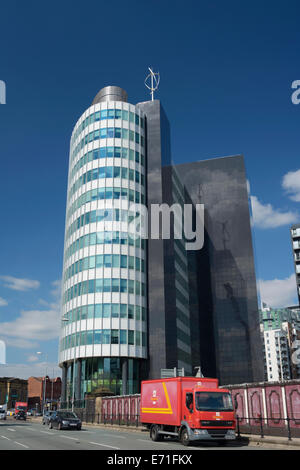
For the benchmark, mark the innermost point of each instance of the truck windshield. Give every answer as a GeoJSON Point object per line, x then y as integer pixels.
{"type": "Point", "coordinates": [21, 408]}
{"type": "Point", "coordinates": [213, 401]}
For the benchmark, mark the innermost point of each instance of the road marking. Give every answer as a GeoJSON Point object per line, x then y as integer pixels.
{"type": "Point", "coordinates": [23, 445]}
{"type": "Point", "coordinates": [46, 432]}
{"type": "Point", "coordinates": [104, 445]}
{"type": "Point", "coordinates": [112, 435]}
{"type": "Point", "coordinates": [73, 438]}
{"type": "Point", "coordinates": [4, 437]}
{"type": "Point", "coordinates": [10, 429]}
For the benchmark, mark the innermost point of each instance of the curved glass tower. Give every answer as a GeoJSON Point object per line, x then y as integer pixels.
{"type": "Point", "coordinates": [104, 331]}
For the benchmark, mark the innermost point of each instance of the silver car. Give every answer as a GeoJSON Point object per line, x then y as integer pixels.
{"type": "Point", "coordinates": [2, 414]}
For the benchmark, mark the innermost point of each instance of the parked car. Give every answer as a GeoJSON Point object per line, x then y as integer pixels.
{"type": "Point", "coordinates": [46, 417]}
{"type": "Point", "coordinates": [29, 413]}
{"type": "Point", "coordinates": [21, 415]}
{"type": "Point", "coordinates": [2, 414]}
{"type": "Point", "coordinates": [64, 420]}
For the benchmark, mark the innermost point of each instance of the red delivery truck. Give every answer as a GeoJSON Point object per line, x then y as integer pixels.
{"type": "Point", "coordinates": [190, 408]}
{"type": "Point", "coordinates": [20, 406]}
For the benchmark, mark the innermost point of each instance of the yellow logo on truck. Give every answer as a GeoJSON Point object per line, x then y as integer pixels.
{"type": "Point", "coordinates": [167, 411]}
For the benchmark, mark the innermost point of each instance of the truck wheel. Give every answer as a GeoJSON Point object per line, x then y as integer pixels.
{"type": "Point", "coordinates": [184, 437]}
{"type": "Point", "coordinates": [154, 434]}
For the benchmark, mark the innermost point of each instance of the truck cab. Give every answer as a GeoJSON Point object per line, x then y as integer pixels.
{"type": "Point", "coordinates": [207, 413]}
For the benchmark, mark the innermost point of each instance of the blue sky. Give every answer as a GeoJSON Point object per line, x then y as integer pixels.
{"type": "Point", "coordinates": [226, 73]}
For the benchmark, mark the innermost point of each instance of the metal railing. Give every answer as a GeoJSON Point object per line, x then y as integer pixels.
{"type": "Point", "coordinates": [260, 425]}
{"type": "Point", "coordinates": [112, 419]}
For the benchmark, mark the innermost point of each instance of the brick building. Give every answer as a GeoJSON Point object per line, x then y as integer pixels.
{"type": "Point", "coordinates": [36, 391]}
{"type": "Point", "coordinates": [12, 389]}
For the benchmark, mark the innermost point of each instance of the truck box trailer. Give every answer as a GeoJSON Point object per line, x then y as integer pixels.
{"type": "Point", "coordinates": [189, 408]}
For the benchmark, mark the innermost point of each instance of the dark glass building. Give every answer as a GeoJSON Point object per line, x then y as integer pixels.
{"type": "Point", "coordinates": [202, 305]}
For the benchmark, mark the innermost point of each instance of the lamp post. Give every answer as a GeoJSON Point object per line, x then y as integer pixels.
{"type": "Point", "coordinates": [45, 381]}
{"type": "Point", "coordinates": [65, 318]}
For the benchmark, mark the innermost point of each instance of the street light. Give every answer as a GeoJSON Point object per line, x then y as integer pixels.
{"type": "Point", "coordinates": [65, 318]}
{"type": "Point", "coordinates": [44, 385]}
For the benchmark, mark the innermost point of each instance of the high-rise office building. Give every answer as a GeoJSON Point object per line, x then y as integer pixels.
{"type": "Point", "coordinates": [133, 306]}
{"type": "Point", "coordinates": [104, 332]}
{"type": "Point", "coordinates": [280, 330]}
{"type": "Point", "coordinates": [295, 236]}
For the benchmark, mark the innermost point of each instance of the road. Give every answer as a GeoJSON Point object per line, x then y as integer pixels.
{"type": "Point", "coordinates": [32, 435]}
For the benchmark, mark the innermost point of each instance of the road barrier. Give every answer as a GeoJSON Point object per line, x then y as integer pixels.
{"type": "Point", "coordinates": [112, 419]}
{"type": "Point", "coordinates": [281, 427]}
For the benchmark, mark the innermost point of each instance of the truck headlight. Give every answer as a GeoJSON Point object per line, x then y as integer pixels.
{"type": "Point", "coordinates": [200, 431]}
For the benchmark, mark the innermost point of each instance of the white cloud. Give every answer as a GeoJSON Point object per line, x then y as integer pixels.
{"type": "Point", "coordinates": [32, 358]}
{"type": "Point", "coordinates": [15, 283]}
{"type": "Point", "coordinates": [291, 184]}
{"type": "Point", "coordinates": [23, 371]}
{"type": "Point", "coordinates": [3, 302]}
{"type": "Point", "coordinates": [278, 293]}
{"type": "Point", "coordinates": [32, 326]}
{"type": "Point", "coordinates": [265, 216]}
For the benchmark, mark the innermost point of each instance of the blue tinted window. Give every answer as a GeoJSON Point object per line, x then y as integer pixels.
{"type": "Point", "coordinates": [110, 113]}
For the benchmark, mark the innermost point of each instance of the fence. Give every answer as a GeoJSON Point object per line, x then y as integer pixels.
{"type": "Point", "coordinates": [268, 408]}
{"type": "Point", "coordinates": [264, 427]}
{"type": "Point", "coordinates": [99, 418]}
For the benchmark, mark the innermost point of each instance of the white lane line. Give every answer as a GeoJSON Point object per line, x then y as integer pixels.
{"type": "Point", "coordinates": [104, 445]}
{"type": "Point", "coordinates": [11, 429]}
{"type": "Point", "coordinates": [112, 435]}
{"type": "Point", "coordinates": [4, 437]}
{"type": "Point", "coordinates": [73, 438]}
{"type": "Point", "coordinates": [23, 445]}
{"type": "Point", "coordinates": [46, 432]}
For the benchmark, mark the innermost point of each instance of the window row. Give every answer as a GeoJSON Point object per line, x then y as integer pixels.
{"type": "Point", "coordinates": [88, 312]}
{"type": "Point", "coordinates": [107, 172]}
{"type": "Point", "coordinates": [109, 114]}
{"type": "Point", "coordinates": [101, 238]}
{"type": "Point", "coordinates": [105, 261]}
{"type": "Point", "coordinates": [109, 133]}
{"type": "Point", "coordinates": [85, 338]}
{"type": "Point", "coordinates": [108, 152]}
{"type": "Point", "coordinates": [106, 193]}
{"type": "Point", "coordinates": [102, 215]}
{"type": "Point", "coordinates": [105, 285]}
